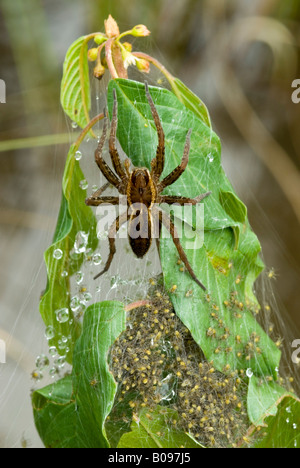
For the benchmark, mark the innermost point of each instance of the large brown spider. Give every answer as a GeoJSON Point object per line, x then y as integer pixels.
{"type": "Point", "coordinates": [143, 191]}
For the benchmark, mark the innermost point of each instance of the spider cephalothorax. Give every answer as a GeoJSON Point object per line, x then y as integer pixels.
{"type": "Point", "coordinates": [143, 190]}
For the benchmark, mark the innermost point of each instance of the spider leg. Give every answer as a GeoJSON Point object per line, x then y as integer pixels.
{"type": "Point", "coordinates": [104, 168]}
{"type": "Point", "coordinates": [176, 173]}
{"type": "Point", "coordinates": [96, 201]}
{"type": "Point", "coordinates": [121, 219]}
{"type": "Point", "coordinates": [96, 195]}
{"type": "Point", "coordinates": [112, 141]}
{"type": "Point", "coordinates": [169, 225]}
{"type": "Point", "coordinates": [157, 165]}
{"type": "Point", "coordinates": [170, 199]}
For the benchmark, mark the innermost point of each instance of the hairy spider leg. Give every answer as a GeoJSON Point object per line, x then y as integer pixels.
{"type": "Point", "coordinates": [91, 201]}
{"type": "Point", "coordinates": [169, 225]}
{"type": "Point", "coordinates": [170, 199]}
{"type": "Point", "coordinates": [121, 219]}
{"type": "Point", "coordinates": [157, 164]}
{"type": "Point", "coordinates": [95, 199]}
{"type": "Point", "coordinates": [104, 168]}
{"type": "Point", "coordinates": [112, 141]}
{"type": "Point", "coordinates": [176, 173]}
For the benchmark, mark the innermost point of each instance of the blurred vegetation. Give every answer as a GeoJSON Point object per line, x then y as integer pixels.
{"type": "Point", "coordinates": [240, 57]}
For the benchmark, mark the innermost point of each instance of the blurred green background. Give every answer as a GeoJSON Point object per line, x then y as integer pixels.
{"type": "Point", "coordinates": [240, 57]}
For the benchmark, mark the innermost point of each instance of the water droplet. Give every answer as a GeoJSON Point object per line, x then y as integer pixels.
{"type": "Point", "coordinates": [102, 235]}
{"type": "Point", "coordinates": [116, 281]}
{"type": "Point", "coordinates": [287, 420]}
{"type": "Point", "coordinates": [52, 351]}
{"type": "Point", "coordinates": [62, 315]}
{"type": "Point", "coordinates": [49, 332]}
{"type": "Point", "coordinates": [64, 273]}
{"type": "Point", "coordinates": [58, 253]}
{"type": "Point", "coordinates": [83, 184]}
{"type": "Point", "coordinates": [62, 342]}
{"type": "Point", "coordinates": [210, 157]}
{"type": "Point", "coordinates": [294, 426]}
{"type": "Point", "coordinates": [249, 372]}
{"type": "Point", "coordinates": [81, 241]}
{"type": "Point", "coordinates": [79, 277]}
{"type": "Point", "coordinates": [288, 409]}
{"type": "Point", "coordinates": [166, 389]}
{"type": "Point", "coordinates": [75, 303]}
{"type": "Point", "coordinates": [88, 254]}
{"type": "Point", "coordinates": [78, 155]}
{"type": "Point", "coordinates": [60, 361]}
{"type": "Point", "coordinates": [87, 296]}
{"type": "Point", "coordinates": [97, 259]}
{"type": "Point", "coordinates": [82, 307]}
{"type": "Point", "coordinates": [74, 125]}
{"type": "Point", "coordinates": [53, 372]}
{"type": "Point", "coordinates": [42, 361]}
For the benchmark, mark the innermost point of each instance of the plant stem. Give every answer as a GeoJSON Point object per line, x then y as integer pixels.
{"type": "Point", "coordinates": [87, 128]}
{"type": "Point", "coordinates": [32, 142]}
{"type": "Point", "coordinates": [109, 60]}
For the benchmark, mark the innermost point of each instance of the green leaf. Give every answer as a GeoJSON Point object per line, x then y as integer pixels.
{"type": "Point", "coordinates": [233, 206]}
{"type": "Point", "coordinates": [71, 412]}
{"type": "Point", "coordinates": [191, 101]}
{"type": "Point", "coordinates": [263, 399]}
{"type": "Point", "coordinates": [276, 412]}
{"type": "Point", "coordinates": [153, 429]}
{"type": "Point", "coordinates": [55, 414]}
{"type": "Point", "coordinates": [236, 210]}
{"type": "Point", "coordinates": [228, 261]}
{"type": "Point", "coordinates": [93, 383]}
{"type": "Point", "coordinates": [75, 85]}
{"type": "Point", "coordinates": [74, 217]}
{"type": "Point", "coordinates": [282, 430]}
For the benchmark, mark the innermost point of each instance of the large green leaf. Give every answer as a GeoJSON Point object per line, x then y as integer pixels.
{"type": "Point", "coordinates": [55, 414]}
{"type": "Point", "coordinates": [94, 385]}
{"type": "Point", "coordinates": [74, 218]}
{"type": "Point", "coordinates": [191, 101]}
{"type": "Point", "coordinates": [72, 411]}
{"type": "Point", "coordinates": [153, 429]}
{"type": "Point", "coordinates": [263, 399]}
{"type": "Point", "coordinates": [276, 412]}
{"type": "Point", "coordinates": [282, 430]}
{"type": "Point", "coordinates": [75, 85]}
{"type": "Point", "coordinates": [222, 321]}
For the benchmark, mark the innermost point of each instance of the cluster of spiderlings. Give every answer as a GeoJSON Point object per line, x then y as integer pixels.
{"type": "Point", "coordinates": [250, 348]}
{"type": "Point", "coordinates": [157, 362]}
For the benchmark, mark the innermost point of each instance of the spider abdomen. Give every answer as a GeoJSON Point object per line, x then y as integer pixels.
{"type": "Point", "coordinates": [139, 230]}
{"type": "Point", "coordinates": [140, 246]}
